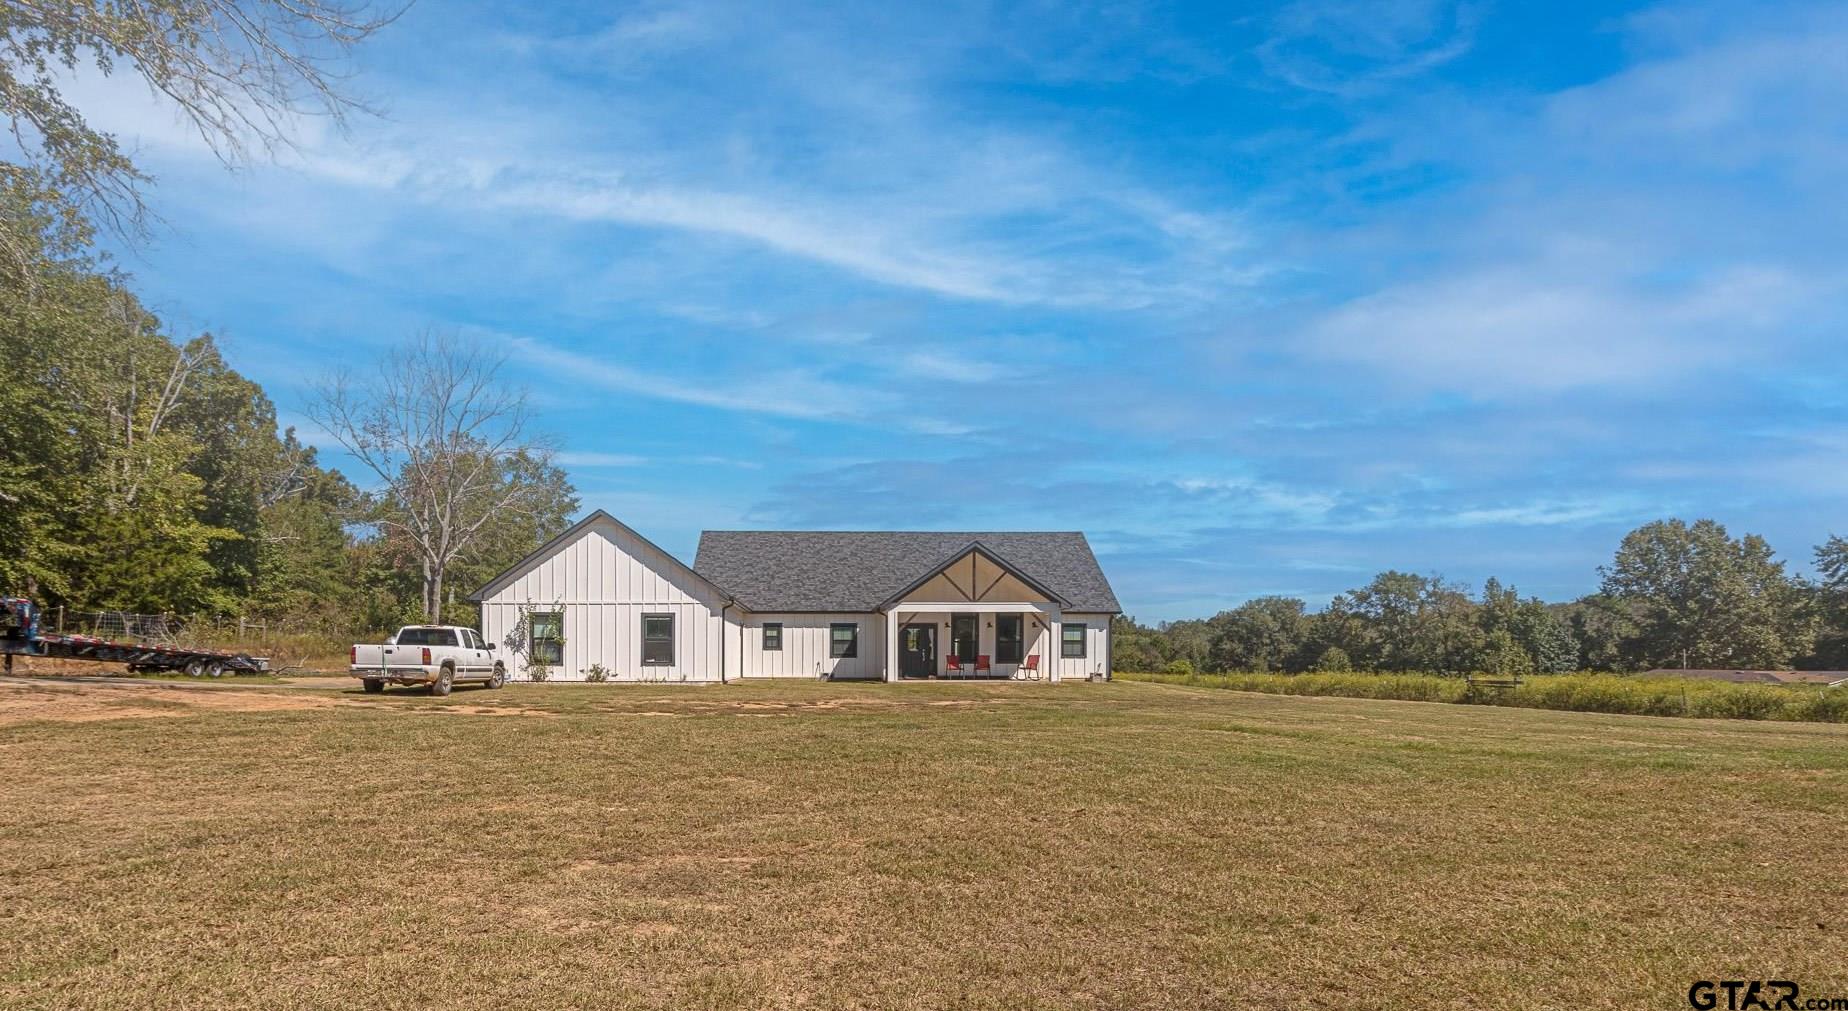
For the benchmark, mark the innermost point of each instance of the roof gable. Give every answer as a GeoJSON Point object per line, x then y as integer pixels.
{"type": "Point", "coordinates": [974, 574]}
{"type": "Point", "coordinates": [544, 551]}
{"type": "Point", "coordinates": [860, 571]}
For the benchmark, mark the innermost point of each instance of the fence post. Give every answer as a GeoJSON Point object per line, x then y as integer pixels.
{"type": "Point", "coordinates": [60, 619]}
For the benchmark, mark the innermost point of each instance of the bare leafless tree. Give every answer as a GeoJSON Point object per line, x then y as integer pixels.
{"type": "Point", "coordinates": [447, 439]}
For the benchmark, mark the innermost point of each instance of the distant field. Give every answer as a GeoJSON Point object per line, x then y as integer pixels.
{"type": "Point", "coordinates": [1631, 694]}
{"type": "Point", "coordinates": [900, 846]}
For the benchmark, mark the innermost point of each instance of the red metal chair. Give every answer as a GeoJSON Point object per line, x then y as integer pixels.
{"type": "Point", "coordinates": [953, 666]}
{"type": "Point", "coordinates": [1030, 669]}
{"type": "Point", "coordinates": [982, 666]}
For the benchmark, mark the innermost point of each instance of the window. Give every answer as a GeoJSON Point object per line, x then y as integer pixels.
{"type": "Point", "coordinates": [1007, 638]}
{"type": "Point", "coordinates": [844, 640]}
{"type": "Point", "coordinates": [548, 637]}
{"type": "Point", "coordinates": [657, 640]}
{"type": "Point", "coordinates": [963, 636]}
{"type": "Point", "coordinates": [427, 637]}
{"type": "Point", "coordinates": [470, 639]}
{"type": "Point", "coordinates": [1071, 641]}
{"type": "Point", "coordinates": [773, 635]}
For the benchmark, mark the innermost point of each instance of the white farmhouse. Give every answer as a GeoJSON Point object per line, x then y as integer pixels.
{"type": "Point", "coordinates": [804, 604]}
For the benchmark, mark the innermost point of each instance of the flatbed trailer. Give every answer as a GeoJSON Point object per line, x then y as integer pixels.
{"type": "Point", "coordinates": [20, 636]}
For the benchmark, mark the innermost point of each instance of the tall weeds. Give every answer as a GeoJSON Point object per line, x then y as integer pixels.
{"type": "Point", "coordinates": [1588, 693]}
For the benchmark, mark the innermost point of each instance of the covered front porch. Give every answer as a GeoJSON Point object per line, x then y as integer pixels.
{"type": "Point", "coordinates": [946, 639]}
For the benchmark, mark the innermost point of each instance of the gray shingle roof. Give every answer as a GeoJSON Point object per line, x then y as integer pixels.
{"type": "Point", "coordinates": [854, 570]}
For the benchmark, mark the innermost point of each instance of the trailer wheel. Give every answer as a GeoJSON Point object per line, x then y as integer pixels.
{"type": "Point", "coordinates": [445, 679]}
{"type": "Point", "coordinates": [215, 669]}
{"type": "Point", "coordinates": [195, 668]}
{"type": "Point", "coordinates": [499, 677]}
{"type": "Point", "coordinates": [372, 686]}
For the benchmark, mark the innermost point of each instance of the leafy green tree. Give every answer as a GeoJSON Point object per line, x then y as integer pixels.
{"type": "Point", "coordinates": [1606, 632]}
{"type": "Point", "coordinates": [1701, 598]}
{"type": "Point", "coordinates": [104, 509]}
{"type": "Point", "coordinates": [1135, 646]}
{"type": "Point", "coordinates": [1263, 635]}
{"type": "Point", "coordinates": [238, 459]}
{"type": "Point", "coordinates": [1415, 623]}
{"type": "Point", "coordinates": [1547, 638]}
{"type": "Point", "coordinates": [1499, 653]}
{"type": "Point", "coordinates": [1831, 597]}
{"type": "Point", "coordinates": [1333, 660]}
{"type": "Point", "coordinates": [304, 553]}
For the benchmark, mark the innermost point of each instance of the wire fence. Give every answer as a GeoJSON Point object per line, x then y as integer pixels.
{"type": "Point", "coordinates": [121, 626]}
{"type": "Point", "coordinates": [175, 629]}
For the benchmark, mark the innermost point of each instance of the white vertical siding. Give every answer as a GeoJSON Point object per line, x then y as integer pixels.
{"type": "Point", "coordinates": [805, 646]}
{"type": "Point", "coordinates": [603, 581]}
{"type": "Point", "coordinates": [1096, 647]}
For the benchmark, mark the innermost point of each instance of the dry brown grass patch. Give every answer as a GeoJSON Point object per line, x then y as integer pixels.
{"type": "Point", "coordinates": [1084, 846]}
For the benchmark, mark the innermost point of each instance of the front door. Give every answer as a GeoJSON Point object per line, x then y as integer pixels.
{"type": "Point", "coordinates": [964, 628]}
{"type": "Point", "coordinates": [917, 651]}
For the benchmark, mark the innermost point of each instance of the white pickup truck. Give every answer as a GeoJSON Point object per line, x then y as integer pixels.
{"type": "Point", "coordinates": [435, 656]}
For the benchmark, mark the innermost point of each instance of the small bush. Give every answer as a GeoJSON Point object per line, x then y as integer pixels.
{"type": "Point", "coordinates": [1334, 660]}
{"type": "Point", "coordinates": [1179, 667]}
{"type": "Point", "coordinates": [538, 672]}
{"type": "Point", "coordinates": [597, 674]}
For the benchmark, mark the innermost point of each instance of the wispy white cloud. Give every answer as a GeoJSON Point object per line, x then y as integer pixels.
{"type": "Point", "coordinates": [789, 393]}
{"type": "Point", "coordinates": [1538, 329]}
{"type": "Point", "coordinates": [1353, 47]}
{"type": "Point", "coordinates": [951, 367]}
{"type": "Point", "coordinates": [855, 246]}
{"type": "Point", "coordinates": [580, 458]}
{"type": "Point", "coordinates": [1542, 513]}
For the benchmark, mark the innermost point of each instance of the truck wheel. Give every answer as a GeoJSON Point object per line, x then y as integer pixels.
{"type": "Point", "coordinates": [372, 686]}
{"type": "Point", "coordinates": [445, 679]}
{"type": "Point", "coordinates": [498, 678]}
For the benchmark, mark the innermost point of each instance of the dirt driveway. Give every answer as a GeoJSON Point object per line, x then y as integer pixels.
{"type": "Point", "coordinates": [86, 699]}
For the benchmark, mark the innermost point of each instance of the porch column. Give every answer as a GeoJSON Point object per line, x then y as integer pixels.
{"type": "Point", "coordinates": [891, 645]}
{"type": "Point", "coordinates": [1055, 623]}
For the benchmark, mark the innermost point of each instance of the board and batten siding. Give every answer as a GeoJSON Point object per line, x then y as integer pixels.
{"type": "Point", "coordinates": [805, 646]}
{"type": "Point", "coordinates": [1096, 647]}
{"type": "Point", "coordinates": [603, 581]}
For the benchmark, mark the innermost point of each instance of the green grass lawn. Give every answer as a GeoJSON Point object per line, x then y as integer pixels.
{"type": "Point", "coordinates": [898, 846]}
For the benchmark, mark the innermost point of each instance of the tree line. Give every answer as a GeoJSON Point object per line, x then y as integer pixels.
{"type": "Point", "coordinates": [1675, 595]}
{"type": "Point", "coordinates": [141, 472]}
{"type": "Point", "coordinates": [138, 470]}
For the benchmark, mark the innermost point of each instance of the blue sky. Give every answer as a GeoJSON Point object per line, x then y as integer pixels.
{"type": "Point", "coordinates": [1264, 301]}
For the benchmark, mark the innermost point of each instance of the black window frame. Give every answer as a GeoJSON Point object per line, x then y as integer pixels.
{"type": "Point", "coordinates": [1018, 642]}
{"type": "Point", "coordinates": [975, 637]}
{"type": "Point", "coordinates": [853, 643]}
{"type": "Point", "coordinates": [547, 651]}
{"type": "Point", "coordinates": [777, 627]}
{"type": "Point", "coordinates": [1065, 641]}
{"type": "Point", "coordinates": [672, 629]}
